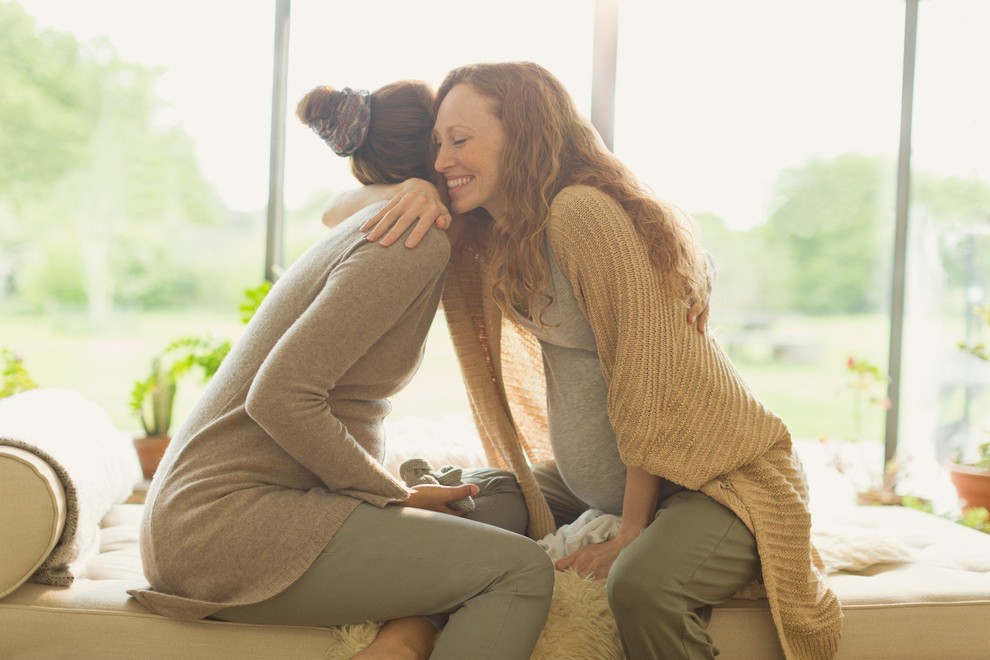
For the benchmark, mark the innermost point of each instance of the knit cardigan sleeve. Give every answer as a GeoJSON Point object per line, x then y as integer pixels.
{"type": "Point", "coordinates": [677, 405]}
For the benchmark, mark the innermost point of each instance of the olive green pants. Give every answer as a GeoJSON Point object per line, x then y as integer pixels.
{"type": "Point", "coordinates": [394, 562]}
{"type": "Point", "coordinates": [695, 554]}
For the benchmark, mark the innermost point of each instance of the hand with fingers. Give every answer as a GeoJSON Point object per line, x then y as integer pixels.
{"type": "Point", "coordinates": [417, 202]}
{"type": "Point", "coordinates": [697, 314]}
{"type": "Point", "coordinates": [439, 498]}
{"type": "Point", "coordinates": [594, 560]}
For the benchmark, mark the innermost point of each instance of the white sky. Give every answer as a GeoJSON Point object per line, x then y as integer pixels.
{"type": "Point", "coordinates": [714, 98]}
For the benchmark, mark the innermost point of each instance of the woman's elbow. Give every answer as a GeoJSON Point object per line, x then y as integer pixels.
{"type": "Point", "coordinates": [262, 403]}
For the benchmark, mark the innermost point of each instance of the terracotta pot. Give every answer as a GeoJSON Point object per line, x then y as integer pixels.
{"type": "Point", "coordinates": [150, 450]}
{"type": "Point", "coordinates": [972, 484]}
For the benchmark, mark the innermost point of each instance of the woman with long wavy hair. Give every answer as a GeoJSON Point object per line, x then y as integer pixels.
{"type": "Point", "coordinates": [564, 257]}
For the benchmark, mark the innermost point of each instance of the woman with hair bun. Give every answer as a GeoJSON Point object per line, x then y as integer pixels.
{"type": "Point", "coordinates": [272, 506]}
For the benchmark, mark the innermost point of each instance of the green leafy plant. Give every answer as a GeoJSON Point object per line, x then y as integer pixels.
{"type": "Point", "coordinates": [152, 397]}
{"type": "Point", "coordinates": [852, 456]}
{"type": "Point", "coordinates": [977, 518]}
{"type": "Point", "coordinates": [14, 376]}
{"type": "Point", "coordinates": [979, 349]}
{"type": "Point", "coordinates": [868, 384]}
{"type": "Point", "coordinates": [253, 297]}
{"type": "Point", "coordinates": [982, 459]}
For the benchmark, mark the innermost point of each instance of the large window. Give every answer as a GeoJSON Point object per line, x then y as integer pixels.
{"type": "Point", "coordinates": [133, 182]}
{"type": "Point", "coordinates": [946, 390]}
{"type": "Point", "coordinates": [134, 179]}
{"type": "Point", "coordinates": [775, 125]}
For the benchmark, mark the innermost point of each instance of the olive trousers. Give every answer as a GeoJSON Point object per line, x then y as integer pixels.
{"type": "Point", "coordinates": [695, 554]}
{"type": "Point", "coordinates": [491, 587]}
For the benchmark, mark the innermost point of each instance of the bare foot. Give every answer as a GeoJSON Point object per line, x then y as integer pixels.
{"type": "Point", "coordinates": [409, 638]}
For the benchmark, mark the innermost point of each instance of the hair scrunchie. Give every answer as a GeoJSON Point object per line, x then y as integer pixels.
{"type": "Point", "coordinates": [345, 130]}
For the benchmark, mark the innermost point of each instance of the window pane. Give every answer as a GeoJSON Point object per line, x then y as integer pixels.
{"type": "Point", "coordinates": [407, 42]}
{"type": "Point", "coordinates": [946, 403]}
{"type": "Point", "coordinates": [134, 183]}
{"type": "Point", "coordinates": [775, 125]}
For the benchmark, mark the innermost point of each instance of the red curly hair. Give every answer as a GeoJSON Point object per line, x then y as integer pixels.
{"type": "Point", "coordinates": [548, 147]}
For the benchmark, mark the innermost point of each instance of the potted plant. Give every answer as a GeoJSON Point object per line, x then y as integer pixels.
{"type": "Point", "coordinates": [854, 456]}
{"type": "Point", "coordinates": [153, 397]}
{"type": "Point", "coordinates": [971, 475]}
{"type": "Point", "coordinates": [14, 377]}
{"type": "Point", "coordinates": [972, 479]}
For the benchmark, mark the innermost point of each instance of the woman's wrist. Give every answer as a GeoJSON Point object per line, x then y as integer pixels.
{"type": "Point", "coordinates": [628, 534]}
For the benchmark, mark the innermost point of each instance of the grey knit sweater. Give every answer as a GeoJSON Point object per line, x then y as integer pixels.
{"type": "Point", "coordinates": [287, 439]}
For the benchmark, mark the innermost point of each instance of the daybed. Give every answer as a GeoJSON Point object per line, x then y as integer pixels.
{"type": "Point", "coordinates": [912, 585]}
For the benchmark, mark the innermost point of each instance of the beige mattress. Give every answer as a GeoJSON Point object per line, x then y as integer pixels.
{"type": "Point", "coordinates": [935, 606]}
{"type": "Point", "coordinates": [913, 586]}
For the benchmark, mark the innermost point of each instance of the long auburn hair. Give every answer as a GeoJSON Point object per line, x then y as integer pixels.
{"type": "Point", "coordinates": [398, 145]}
{"type": "Point", "coordinates": [549, 146]}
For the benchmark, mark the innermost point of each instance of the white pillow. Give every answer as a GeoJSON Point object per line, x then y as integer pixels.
{"type": "Point", "coordinates": [32, 515]}
{"type": "Point", "coordinates": [94, 461]}
{"type": "Point", "coordinates": [850, 548]}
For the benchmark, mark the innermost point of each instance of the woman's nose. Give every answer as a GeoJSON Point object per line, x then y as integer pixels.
{"type": "Point", "coordinates": [443, 159]}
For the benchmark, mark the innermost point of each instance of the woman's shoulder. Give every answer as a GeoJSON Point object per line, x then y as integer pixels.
{"type": "Point", "coordinates": [584, 211]}
{"type": "Point", "coordinates": [432, 252]}
{"type": "Point", "coordinates": [434, 247]}
{"type": "Point", "coordinates": [580, 197]}
{"type": "Point", "coordinates": [579, 206]}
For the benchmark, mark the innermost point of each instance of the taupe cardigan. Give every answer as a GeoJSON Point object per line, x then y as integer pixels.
{"type": "Point", "coordinates": [679, 408]}
{"type": "Point", "coordinates": [287, 439]}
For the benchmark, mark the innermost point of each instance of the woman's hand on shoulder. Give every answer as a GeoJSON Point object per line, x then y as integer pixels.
{"type": "Point", "coordinates": [416, 202]}
{"type": "Point", "coordinates": [344, 204]}
{"type": "Point", "coordinates": [697, 314]}
{"type": "Point", "coordinates": [438, 498]}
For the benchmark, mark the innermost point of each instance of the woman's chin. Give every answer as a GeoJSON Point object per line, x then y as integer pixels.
{"type": "Point", "coordinates": [461, 206]}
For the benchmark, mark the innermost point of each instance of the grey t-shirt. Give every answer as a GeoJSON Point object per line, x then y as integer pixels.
{"type": "Point", "coordinates": [581, 435]}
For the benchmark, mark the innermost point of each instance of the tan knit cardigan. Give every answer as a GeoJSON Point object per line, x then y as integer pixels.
{"type": "Point", "coordinates": [678, 406]}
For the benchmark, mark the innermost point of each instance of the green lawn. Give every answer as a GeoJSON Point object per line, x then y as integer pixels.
{"type": "Point", "coordinates": [104, 363]}
{"type": "Point", "coordinates": [815, 399]}
{"type": "Point", "coordinates": [812, 397]}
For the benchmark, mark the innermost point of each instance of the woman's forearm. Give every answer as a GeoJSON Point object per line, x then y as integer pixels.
{"type": "Point", "coordinates": [639, 503]}
{"type": "Point", "coordinates": [343, 205]}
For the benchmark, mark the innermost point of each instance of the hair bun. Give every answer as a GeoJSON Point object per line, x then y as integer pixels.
{"type": "Point", "coordinates": [340, 117]}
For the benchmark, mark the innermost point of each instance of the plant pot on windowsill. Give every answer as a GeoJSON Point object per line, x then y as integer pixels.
{"type": "Point", "coordinates": [150, 450]}
{"type": "Point", "coordinates": [152, 398]}
{"type": "Point", "coordinates": [972, 480]}
{"type": "Point", "coordinates": [972, 484]}
{"type": "Point", "coordinates": [159, 391]}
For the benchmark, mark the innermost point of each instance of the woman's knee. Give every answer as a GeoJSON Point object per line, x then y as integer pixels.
{"type": "Point", "coordinates": [630, 594]}
{"type": "Point", "coordinates": [531, 567]}
{"type": "Point", "coordinates": [492, 481]}
{"type": "Point", "coordinates": [499, 501]}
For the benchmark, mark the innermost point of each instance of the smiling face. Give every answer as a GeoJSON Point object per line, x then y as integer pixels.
{"type": "Point", "coordinates": [470, 140]}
